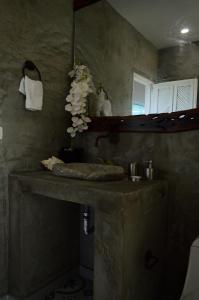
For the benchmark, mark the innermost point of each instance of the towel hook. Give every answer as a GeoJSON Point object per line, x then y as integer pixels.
{"type": "Point", "coordinates": [29, 65]}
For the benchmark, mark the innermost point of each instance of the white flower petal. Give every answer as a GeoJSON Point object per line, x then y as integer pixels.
{"type": "Point", "coordinates": [70, 129]}
{"type": "Point", "coordinates": [75, 119]}
{"type": "Point", "coordinates": [87, 119]}
{"type": "Point", "coordinates": [69, 98]}
{"type": "Point", "coordinates": [85, 127]}
{"type": "Point", "coordinates": [68, 107]}
{"type": "Point", "coordinates": [71, 73]}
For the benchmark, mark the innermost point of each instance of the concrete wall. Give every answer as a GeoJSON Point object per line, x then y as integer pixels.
{"type": "Point", "coordinates": [176, 159]}
{"type": "Point", "coordinates": [113, 49]}
{"type": "Point", "coordinates": [42, 32]}
{"type": "Point", "coordinates": [176, 63]}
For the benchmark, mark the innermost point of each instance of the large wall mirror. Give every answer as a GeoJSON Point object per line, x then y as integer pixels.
{"type": "Point", "coordinates": [144, 58]}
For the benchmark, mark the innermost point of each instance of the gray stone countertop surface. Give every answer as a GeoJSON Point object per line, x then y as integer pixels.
{"type": "Point", "coordinates": [82, 191]}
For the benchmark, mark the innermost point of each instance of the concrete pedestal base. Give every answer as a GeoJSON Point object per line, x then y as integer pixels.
{"type": "Point", "coordinates": [130, 223]}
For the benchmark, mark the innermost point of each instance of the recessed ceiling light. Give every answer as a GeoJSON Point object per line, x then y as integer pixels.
{"type": "Point", "coordinates": [184, 30]}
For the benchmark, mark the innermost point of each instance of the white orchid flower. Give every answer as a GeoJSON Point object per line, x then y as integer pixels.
{"type": "Point", "coordinates": [70, 129]}
{"type": "Point", "coordinates": [77, 122]}
{"type": "Point", "coordinates": [69, 98]}
{"type": "Point", "coordinates": [81, 87]}
{"type": "Point", "coordinates": [86, 119]}
{"type": "Point", "coordinates": [75, 119]}
{"type": "Point", "coordinates": [68, 107]}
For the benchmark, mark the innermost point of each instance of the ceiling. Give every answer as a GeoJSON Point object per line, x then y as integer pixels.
{"type": "Point", "coordinates": [160, 21]}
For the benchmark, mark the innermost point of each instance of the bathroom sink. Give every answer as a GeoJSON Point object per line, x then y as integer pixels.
{"type": "Point", "coordinates": [87, 171]}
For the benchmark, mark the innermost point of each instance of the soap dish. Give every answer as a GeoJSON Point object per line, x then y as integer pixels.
{"type": "Point", "coordinates": [136, 178]}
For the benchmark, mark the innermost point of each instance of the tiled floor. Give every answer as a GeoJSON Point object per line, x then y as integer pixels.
{"type": "Point", "coordinates": [74, 289]}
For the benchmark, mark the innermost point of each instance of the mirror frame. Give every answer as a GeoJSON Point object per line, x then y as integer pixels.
{"type": "Point", "coordinates": [161, 123]}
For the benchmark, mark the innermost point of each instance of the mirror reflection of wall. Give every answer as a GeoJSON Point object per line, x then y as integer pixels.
{"type": "Point", "coordinates": [115, 51]}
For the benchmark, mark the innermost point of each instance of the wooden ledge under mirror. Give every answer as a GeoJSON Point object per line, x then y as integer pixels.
{"type": "Point", "coordinates": [162, 123]}
{"type": "Point", "coordinates": [150, 78]}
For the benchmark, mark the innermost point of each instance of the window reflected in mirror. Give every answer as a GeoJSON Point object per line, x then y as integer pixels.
{"type": "Point", "coordinates": [166, 97]}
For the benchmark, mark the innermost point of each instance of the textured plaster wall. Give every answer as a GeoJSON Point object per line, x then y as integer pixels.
{"type": "Point", "coordinates": [113, 49]}
{"type": "Point", "coordinates": [180, 62]}
{"type": "Point", "coordinates": [176, 159]}
{"type": "Point", "coordinates": [40, 31]}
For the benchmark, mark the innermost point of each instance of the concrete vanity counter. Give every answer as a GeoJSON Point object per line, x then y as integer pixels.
{"type": "Point", "coordinates": [130, 220]}
{"type": "Point", "coordinates": [85, 192]}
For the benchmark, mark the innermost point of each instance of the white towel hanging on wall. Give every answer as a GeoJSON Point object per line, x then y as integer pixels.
{"type": "Point", "coordinates": [33, 90]}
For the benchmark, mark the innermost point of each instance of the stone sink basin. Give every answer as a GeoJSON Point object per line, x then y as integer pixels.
{"type": "Point", "coordinates": [86, 171]}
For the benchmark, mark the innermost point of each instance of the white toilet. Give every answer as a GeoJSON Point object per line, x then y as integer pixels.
{"type": "Point", "coordinates": [191, 287]}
